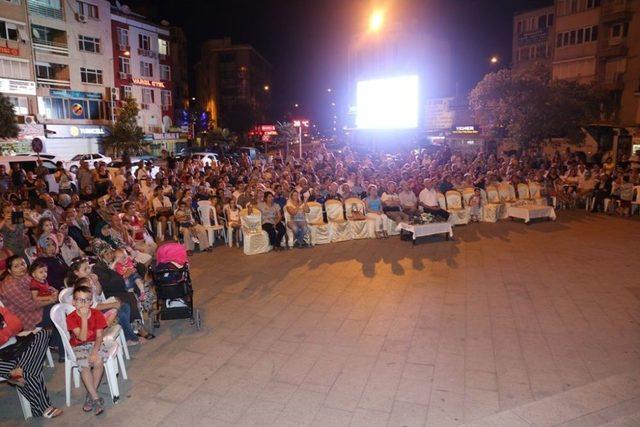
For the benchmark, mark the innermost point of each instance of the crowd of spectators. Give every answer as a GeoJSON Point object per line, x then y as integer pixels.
{"type": "Point", "coordinates": [102, 234]}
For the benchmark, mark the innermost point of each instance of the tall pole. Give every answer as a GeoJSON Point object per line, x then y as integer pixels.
{"type": "Point", "coordinates": [300, 138]}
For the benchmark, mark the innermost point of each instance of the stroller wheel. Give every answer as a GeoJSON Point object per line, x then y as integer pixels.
{"type": "Point", "coordinates": [197, 319]}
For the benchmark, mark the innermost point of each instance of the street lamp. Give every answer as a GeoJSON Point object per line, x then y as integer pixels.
{"type": "Point", "coordinates": [266, 88]}
{"type": "Point", "coordinates": [296, 105]}
{"type": "Point", "coordinates": [329, 90]}
{"type": "Point", "coordinates": [376, 20]}
{"type": "Point", "coordinates": [494, 60]}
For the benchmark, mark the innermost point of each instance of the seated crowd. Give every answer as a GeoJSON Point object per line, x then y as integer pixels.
{"type": "Point", "coordinates": [101, 238]}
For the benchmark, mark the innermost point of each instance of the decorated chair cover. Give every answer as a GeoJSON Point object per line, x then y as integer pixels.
{"type": "Point", "coordinates": [256, 240]}
{"type": "Point", "coordinates": [360, 228]}
{"type": "Point", "coordinates": [459, 213]}
{"type": "Point", "coordinates": [490, 211]}
{"type": "Point", "coordinates": [442, 202]}
{"type": "Point", "coordinates": [535, 192]}
{"type": "Point", "coordinates": [320, 232]}
{"type": "Point", "coordinates": [507, 196]}
{"type": "Point", "coordinates": [339, 229]}
{"type": "Point", "coordinates": [523, 192]}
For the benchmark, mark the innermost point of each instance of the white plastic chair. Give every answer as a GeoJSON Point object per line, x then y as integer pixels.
{"type": "Point", "coordinates": [255, 239]}
{"type": "Point", "coordinates": [30, 253]}
{"type": "Point", "coordinates": [320, 232]}
{"type": "Point", "coordinates": [360, 228]}
{"type": "Point", "coordinates": [338, 226]}
{"type": "Point", "coordinates": [59, 317]}
{"type": "Point", "coordinates": [114, 332]}
{"type": "Point", "coordinates": [456, 209]}
{"type": "Point", "coordinates": [204, 210]}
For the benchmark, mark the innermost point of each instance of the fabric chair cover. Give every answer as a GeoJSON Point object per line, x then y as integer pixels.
{"type": "Point", "coordinates": [536, 194]}
{"type": "Point", "coordinates": [442, 202]}
{"type": "Point", "coordinates": [523, 192]}
{"type": "Point", "coordinates": [255, 239]}
{"type": "Point", "coordinates": [507, 196]}
{"type": "Point", "coordinates": [339, 229]}
{"type": "Point", "coordinates": [490, 211]}
{"type": "Point", "coordinates": [320, 232]}
{"type": "Point", "coordinates": [360, 228]}
{"type": "Point", "coordinates": [392, 227]}
{"type": "Point", "coordinates": [456, 209]}
{"type": "Point", "coordinates": [467, 194]}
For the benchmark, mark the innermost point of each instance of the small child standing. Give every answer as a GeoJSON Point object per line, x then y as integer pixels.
{"type": "Point", "coordinates": [40, 289]}
{"type": "Point", "coordinates": [86, 326]}
{"type": "Point", "coordinates": [123, 264]}
{"type": "Point", "coordinates": [475, 203]}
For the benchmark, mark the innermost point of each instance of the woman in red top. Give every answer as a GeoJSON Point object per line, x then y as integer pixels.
{"type": "Point", "coordinates": [21, 360]}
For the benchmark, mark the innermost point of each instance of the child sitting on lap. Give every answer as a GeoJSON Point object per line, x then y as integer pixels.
{"type": "Point", "coordinates": [123, 264]}
{"type": "Point", "coordinates": [39, 287]}
{"type": "Point", "coordinates": [86, 326]}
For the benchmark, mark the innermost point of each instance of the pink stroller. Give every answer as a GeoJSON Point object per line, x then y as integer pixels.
{"type": "Point", "coordinates": [174, 289]}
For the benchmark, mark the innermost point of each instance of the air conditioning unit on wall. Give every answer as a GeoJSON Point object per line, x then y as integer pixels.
{"type": "Point", "coordinates": [80, 18]}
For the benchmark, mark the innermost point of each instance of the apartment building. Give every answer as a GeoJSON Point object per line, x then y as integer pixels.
{"type": "Point", "coordinates": [143, 68]}
{"type": "Point", "coordinates": [17, 81]}
{"type": "Point", "coordinates": [593, 41]}
{"type": "Point", "coordinates": [533, 36]}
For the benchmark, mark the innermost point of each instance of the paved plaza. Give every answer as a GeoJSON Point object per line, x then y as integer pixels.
{"type": "Point", "coordinates": [508, 325]}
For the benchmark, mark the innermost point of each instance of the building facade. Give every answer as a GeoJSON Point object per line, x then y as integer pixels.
{"type": "Point", "coordinates": [72, 59]}
{"type": "Point", "coordinates": [594, 41]}
{"type": "Point", "coordinates": [228, 74]}
{"type": "Point", "coordinates": [179, 72]}
{"type": "Point", "coordinates": [533, 36]}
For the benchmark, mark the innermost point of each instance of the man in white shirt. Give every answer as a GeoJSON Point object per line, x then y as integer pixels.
{"type": "Point", "coordinates": [428, 199]}
{"type": "Point", "coordinates": [163, 212]}
{"type": "Point", "coordinates": [408, 199]}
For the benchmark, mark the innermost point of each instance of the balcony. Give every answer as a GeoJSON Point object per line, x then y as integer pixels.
{"type": "Point", "coordinates": [53, 75]}
{"type": "Point", "coordinates": [49, 40]}
{"type": "Point", "coordinates": [123, 76]}
{"type": "Point", "coordinates": [147, 53]}
{"type": "Point", "coordinates": [56, 48]}
{"type": "Point", "coordinates": [616, 11]}
{"type": "Point", "coordinates": [40, 9]}
{"type": "Point", "coordinates": [619, 49]}
{"type": "Point", "coordinates": [53, 83]}
{"type": "Point", "coordinates": [614, 82]}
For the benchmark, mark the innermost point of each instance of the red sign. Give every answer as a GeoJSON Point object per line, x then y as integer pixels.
{"type": "Point", "coordinates": [9, 51]}
{"type": "Point", "coordinates": [150, 83]}
{"type": "Point", "coordinates": [267, 128]}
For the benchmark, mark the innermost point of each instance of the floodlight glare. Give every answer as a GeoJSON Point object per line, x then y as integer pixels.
{"type": "Point", "coordinates": [390, 103]}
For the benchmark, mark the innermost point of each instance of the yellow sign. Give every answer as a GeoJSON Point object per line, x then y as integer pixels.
{"type": "Point", "coordinates": [150, 83]}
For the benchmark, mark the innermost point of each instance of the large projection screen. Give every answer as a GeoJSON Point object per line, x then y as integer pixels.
{"type": "Point", "coordinates": [389, 103]}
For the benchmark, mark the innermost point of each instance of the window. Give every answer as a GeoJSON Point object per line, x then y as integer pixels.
{"type": "Point", "coordinates": [124, 65]}
{"type": "Point", "coordinates": [559, 40]}
{"type": "Point", "coordinates": [580, 36]}
{"type": "Point", "coordinates": [13, 1]}
{"type": "Point", "coordinates": [594, 33]}
{"type": "Point", "coordinates": [572, 37]}
{"type": "Point", "coordinates": [20, 105]}
{"type": "Point", "coordinates": [91, 76]}
{"type": "Point", "coordinates": [565, 39]}
{"type": "Point", "coordinates": [44, 71]}
{"type": "Point", "coordinates": [550, 20]}
{"type": "Point", "coordinates": [88, 44]}
{"type": "Point", "coordinates": [147, 96]}
{"type": "Point", "coordinates": [146, 69]}
{"type": "Point", "coordinates": [165, 98]}
{"type": "Point", "coordinates": [126, 92]}
{"type": "Point", "coordinates": [144, 42]}
{"type": "Point", "coordinates": [8, 31]}
{"type": "Point", "coordinates": [123, 37]}
{"type": "Point", "coordinates": [87, 10]}
{"type": "Point", "coordinates": [574, 6]}
{"type": "Point", "coordinates": [542, 21]}
{"type": "Point", "coordinates": [519, 27]}
{"type": "Point", "coordinates": [163, 47]}
{"type": "Point", "coordinates": [66, 108]}
{"type": "Point", "coordinates": [165, 72]}
{"type": "Point", "coordinates": [12, 68]}
{"type": "Point", "coordinates": [591, 4]}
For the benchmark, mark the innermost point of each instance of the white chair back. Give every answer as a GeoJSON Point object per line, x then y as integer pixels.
{"type": "Point", "coordinates": [335, 210]}
{"type": "Point", "coordinates": [66, 296]}
{"type": "Point", "coordinates": [251, 223]}
{"type": "Point", "coordinates": [523, 191]}
{"type": "Point", "coordinates": [205, 214]}
{"type": "Point", "coordinates": [30, 253]}
{"type": "Point", "coordinates": [353, 204]}
{"type": "Point", "coordinates": [454, 199]}
{"type": "Point", "coordinates": [492, 194]}
{"type": "Point", "coordinates": [507, 192]}
{"type": "Point", "coordinates": [467, 194]}
{"type": "Point", "coordinates": [58, 315]}
{"type": "Point", "coordinates": [442, 202]}
{"type": "Point", "coordinates": [534, 190]}
{"type": "Point", "coordinates": [314, 217]}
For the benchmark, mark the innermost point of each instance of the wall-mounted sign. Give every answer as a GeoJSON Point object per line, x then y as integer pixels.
{"type": "Point", "coordinates": [77, 110]}
{"type": "Point", "coordinates": [465, 130]}
{"type": "Point", "coordinates": [78, 131]}
{"type": "Point", "coordinates": [533, 37]}
{"type": "Point", "coordinates": [6, 50]}
{"type": "Point", "coordinates": [17, 87]}
{"type": "Point", "coordinates": [149, 83]}
{"type": "Point", "coordinates": [62, 93]}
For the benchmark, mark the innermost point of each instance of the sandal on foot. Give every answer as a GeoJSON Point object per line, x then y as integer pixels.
{"type": "Point", "coordinates": [97, 406]}
{"type": "Point", "coordinates": [52, 412]}
{"type": "Point", "coordinates": [88, 404]}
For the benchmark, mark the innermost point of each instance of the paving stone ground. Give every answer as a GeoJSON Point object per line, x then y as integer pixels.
{"type": "Point", "coordinates": [508, 324]}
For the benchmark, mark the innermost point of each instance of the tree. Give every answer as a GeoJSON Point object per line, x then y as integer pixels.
{"type": "Point", "coordinates": [530, 107]}
{"type": "Point", "coordinates": [126, 135]}
{"type": "Point", "coordinates": [287, 135]}
{"type": "Point", "coordinates": [8, 124]}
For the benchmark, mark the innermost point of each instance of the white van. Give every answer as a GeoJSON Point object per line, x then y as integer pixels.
{"type": "Point", "coordinates": [28, 163]}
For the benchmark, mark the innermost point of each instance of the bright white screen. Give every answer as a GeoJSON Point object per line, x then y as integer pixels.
{"type": "Point", "coordinates": [390, 103]}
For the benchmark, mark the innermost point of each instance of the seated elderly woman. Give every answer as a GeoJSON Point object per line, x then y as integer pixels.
{"type": "Point", "coordinates": [50, 255]}
{"type": "Point", "coordinates": [375, 212]}
{"type": "Point", "coordinates": [21, 360]}
{"type": "Point", "coordinates": [391, 205]}
{"type": "Point", "coordinates": [15, 294]}
{"type": "Point", "coordinates": [296, 208]}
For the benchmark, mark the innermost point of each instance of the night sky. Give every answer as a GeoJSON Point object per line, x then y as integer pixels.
{"type": "Point", "coordinates": [306, 40]}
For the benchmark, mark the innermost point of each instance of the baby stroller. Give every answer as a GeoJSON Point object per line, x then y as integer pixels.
{"type": "Point", "coordinates": [172, 283]}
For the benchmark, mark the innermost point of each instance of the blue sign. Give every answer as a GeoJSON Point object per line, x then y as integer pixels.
{"type": "Point", "coordinates": [62, 93]}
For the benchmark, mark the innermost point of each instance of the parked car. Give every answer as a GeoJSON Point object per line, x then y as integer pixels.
{"type": "Point", "coordinates": [90, 158]}
{"type": "Point", "coordinates": [116, 166]}
{"type": "Point", "coordinates": [207, 159]}
{"type": "Point", "coordinates": [29, 163]}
